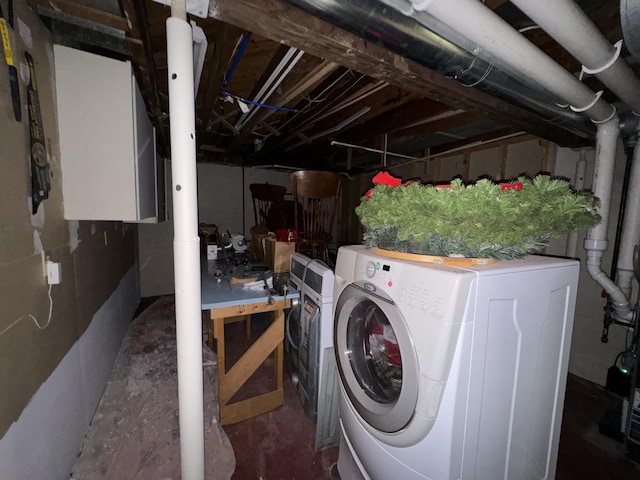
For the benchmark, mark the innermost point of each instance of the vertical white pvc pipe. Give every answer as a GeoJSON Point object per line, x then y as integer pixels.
{"type": "Point", "coordinates": [596, 242]}
{"type": "Point", "coordinates": [578, 183]}
{"type": "Point", "coordinates": [631, 232]}
{"type": "Point", "coordinates": [606, 143]}
{"type": "Point", "coordinates": [186, 247]}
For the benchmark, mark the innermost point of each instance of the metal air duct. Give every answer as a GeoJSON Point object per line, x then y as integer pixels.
{"type": "Point", "coordinates": [407, 36]}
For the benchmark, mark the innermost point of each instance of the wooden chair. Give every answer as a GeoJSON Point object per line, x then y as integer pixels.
{"type": "Point", "coordinates": [264, 195]}
{"type": "Point", "coordinates": [316, 193]}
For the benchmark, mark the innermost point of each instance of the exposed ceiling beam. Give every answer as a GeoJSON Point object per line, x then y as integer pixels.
{"type": "Point", "coordinates": [286, 24]}
{"type": "Point", "coordinates": [464, 143]}
{"type": "Point", "coordinates": [382, 101]}
{"type": "Point", "coordinates": [295, 86]}
{"type": "Point", "coordinates": [82, 11]}
{"type": "Point", "coordinates": [437, 125]}
{"type": "Point", "coordinates": [402, 117]}
{"type": "Point", "coordinates": [221, 49]}
{"type": "Point", "coordinates": [142, 57]}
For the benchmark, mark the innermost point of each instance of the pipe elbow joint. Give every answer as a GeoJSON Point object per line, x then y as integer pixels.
{"type": "Point", "coordinates": [623, 311]}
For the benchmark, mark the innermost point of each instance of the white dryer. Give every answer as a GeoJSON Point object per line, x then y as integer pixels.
{"type": "Point", "coordinates": [451, 372]}
{"type": "Point", "coordinates": [311, 358]}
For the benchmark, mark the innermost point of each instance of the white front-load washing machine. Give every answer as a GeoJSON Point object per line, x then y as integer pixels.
{"type": "Point", "coordinates": [451, 372]}
{"type": "Point", "coordinates": [309, 343]}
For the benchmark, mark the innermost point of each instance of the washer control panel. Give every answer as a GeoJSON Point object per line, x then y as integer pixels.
{"type": "Point", "coordinates": [427, 288]}
{"type": "Point", "coordinates": [377, 271]}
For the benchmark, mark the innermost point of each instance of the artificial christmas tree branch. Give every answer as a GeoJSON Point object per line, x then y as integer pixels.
{"type": "Point", "coordinates": [483, 220]}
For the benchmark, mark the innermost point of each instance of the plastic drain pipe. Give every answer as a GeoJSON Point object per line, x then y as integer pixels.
{"type": "Point", "coordinates": [186, 243]}
{"type": "Point", "coordinates": [482, 26]}
{"type": "Point", "coordinates": [574, 30]}
{"type": "Point", "coordinates": [631, 230]}
{"type": "Point", "coordinates": [581, 168]}
{"type": "Point", "coordinates": [565, 21]}
{"type": "Point", "coordinates": [596, 242]}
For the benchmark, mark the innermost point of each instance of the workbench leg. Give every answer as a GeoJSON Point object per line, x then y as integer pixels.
{"type": "Point", "coordinates": [218, 334]}
{"type": "Point", "coordinates": [279, 354]}
{"type": "Point", "coordinates": [210, 336]}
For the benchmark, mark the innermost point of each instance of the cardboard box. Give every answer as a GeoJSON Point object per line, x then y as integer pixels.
{"type": "Point", "coordinates": [258, 234]}
{"type": "Point", "coordinates": [278, 254]}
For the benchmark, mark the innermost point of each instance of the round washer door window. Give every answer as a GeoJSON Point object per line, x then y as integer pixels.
{"type": "Point", "coordinates": [376, 358]}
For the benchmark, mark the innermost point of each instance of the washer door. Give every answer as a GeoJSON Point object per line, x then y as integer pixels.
{"type": "Point", "coordinates": [376, 357]}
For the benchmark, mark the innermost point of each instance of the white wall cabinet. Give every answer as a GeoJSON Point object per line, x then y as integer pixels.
{"type": "Point", "coordinates": [107, 142]}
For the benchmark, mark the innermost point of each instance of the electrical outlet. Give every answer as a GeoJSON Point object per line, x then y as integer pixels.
{"type": "Point", "coordinates": [54, 274]}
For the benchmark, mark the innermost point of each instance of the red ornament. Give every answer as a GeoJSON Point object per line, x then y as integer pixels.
{"type": "Point", "coordinates": [369, 192]}
{"type": "Point", "coordinates": [446, 185]}
{"type": "Point", "coordinates": [505, 186]}
{"type": "Point", "coordinates": [517, 186]}
{"type": "Point", "coordinates": [409, 182]}
{"type": "Point", "coordinates": [384, 178]}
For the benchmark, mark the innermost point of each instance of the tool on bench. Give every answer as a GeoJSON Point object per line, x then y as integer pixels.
{"type": "Point", "coordinates": [271, 301]}
{"type": "Point", "coordinates": [264, 276]}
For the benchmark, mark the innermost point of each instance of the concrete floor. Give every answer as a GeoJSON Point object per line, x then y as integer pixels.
{"type": "Point", "coordinates": [584, 452]}
{"type": "Point", "coordinates": [279, 445]}
{"type": "Point", "coordinates": [135, 433]}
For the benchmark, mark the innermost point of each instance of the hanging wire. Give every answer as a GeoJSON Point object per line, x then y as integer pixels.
{"type": "Point", "coordinates": [234, 63]}
{"type": "Point", "coordinates": [258, 104]}
{"type": "Point", "coordinates": [324, 92]}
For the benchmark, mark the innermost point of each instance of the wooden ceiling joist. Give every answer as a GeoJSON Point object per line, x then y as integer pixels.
{"type": "Point", "coordinates": [79, 10]}
{"type": "Point", "coordinates": [283, 23]}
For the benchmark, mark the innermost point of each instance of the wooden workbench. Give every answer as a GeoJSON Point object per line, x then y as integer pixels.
{"type": "Point", "coordinates": [227, 302]}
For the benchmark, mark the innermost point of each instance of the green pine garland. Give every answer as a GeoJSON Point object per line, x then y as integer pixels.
{"type": "Point", "coordinates": [483, 220]}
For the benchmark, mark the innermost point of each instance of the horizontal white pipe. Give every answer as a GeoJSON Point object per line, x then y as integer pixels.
{"type": "Point", "coordinates": [481, 25]}
{"type": "Point", "coordinates": [186, 249]}
{"type": "Point", "coordinates": [567, 23]}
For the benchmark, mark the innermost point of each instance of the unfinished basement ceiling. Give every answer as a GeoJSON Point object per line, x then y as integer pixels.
{"type": "Point", "coordinates": [321, 78]}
